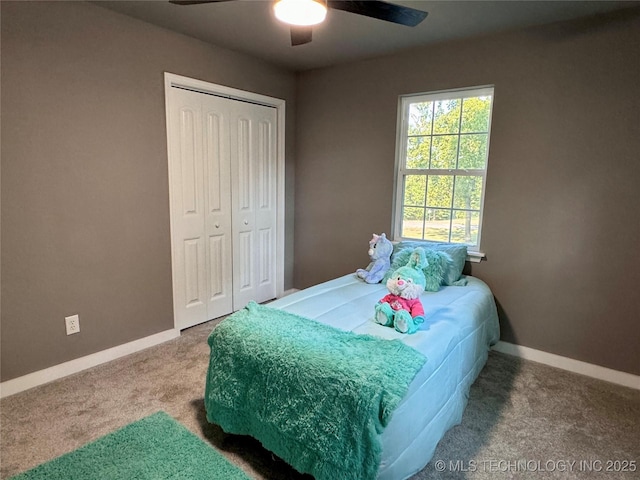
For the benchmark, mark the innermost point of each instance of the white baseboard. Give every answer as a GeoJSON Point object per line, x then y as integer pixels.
{"type": "Point", "coordinates": [575, 366]}
{"type": "Point", "coordinates": [20, 384]}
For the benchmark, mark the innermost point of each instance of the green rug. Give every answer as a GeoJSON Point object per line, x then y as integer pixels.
{"type": "Point", "coordinates": [156, 447]}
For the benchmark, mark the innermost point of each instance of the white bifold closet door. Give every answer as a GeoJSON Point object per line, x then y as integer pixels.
{"type": "Point", "coordinates": [223, 200]}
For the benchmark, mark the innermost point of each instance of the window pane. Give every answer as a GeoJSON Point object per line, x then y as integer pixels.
{"type": "Point", "coordinates": [440, 191]}
{"type": "Point", "coordinates": [418, 149]}
{"type": "Point", "coordinates": [412, 222]}
{"type": "Point", "coordinates": [468, 193]}
{"type": "Point", "coordinates": [473, 151]}
{"type": "Point", "coordinates": [442, 168]}
{"type": "Point", "coordinates": [420, 118]}
{"type": "Point", "coordinates": [447, 116]}
{"type": "Point", "coordinates": [475, 114]}
{"type": "Point", "coordinates": [444, 151]}
{"type": "Point", "coordinates": [415, 187]}
{"type": "Point", "coordinates": [465, 227]}
{"type": "Point", "coordinates": [437, 224]}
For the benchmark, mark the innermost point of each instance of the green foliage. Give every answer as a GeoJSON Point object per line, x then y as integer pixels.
{"type": "Point", "coordinates": [415, 189]}
{"type": "Point", "coordinates": [446, 116]}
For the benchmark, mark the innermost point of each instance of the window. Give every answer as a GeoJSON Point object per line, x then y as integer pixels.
{"type": "Point", "coordinates": [443, 143]}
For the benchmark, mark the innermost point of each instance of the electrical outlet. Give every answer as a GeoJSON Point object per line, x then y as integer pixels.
{"type": "Point", "coordinates": [73, 324]}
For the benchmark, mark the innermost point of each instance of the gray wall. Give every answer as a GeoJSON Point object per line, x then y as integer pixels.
{"type": "Point", "coordinates": [85, 200]}
{"type": "Point", "coordinates": [561, 229]}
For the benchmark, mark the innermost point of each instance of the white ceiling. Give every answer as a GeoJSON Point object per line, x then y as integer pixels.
{"type": "Point", "coordinates": [249, 26]}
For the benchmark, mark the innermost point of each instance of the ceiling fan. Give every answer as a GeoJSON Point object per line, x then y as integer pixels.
{"type": "Point", "coordinates": [301, 26]}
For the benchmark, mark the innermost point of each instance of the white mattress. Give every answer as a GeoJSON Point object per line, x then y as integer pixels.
{"type": "Point", "coordinates": [460, 325]}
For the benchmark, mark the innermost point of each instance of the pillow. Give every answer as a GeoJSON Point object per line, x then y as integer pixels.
{"type": "Point", "coordinates": [438, 264]}
{"type": "Point", "coordinates": [458, 254]}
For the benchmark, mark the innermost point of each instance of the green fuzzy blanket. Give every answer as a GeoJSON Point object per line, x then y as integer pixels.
{"type": "Point", "coordinates": [316, 396]}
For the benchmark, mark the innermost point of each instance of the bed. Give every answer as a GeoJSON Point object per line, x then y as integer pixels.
{"type": "Point", "coordinates": [461, 324]}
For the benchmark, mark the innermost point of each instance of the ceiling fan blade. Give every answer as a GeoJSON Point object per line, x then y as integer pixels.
{"type": "Point", "coordinates": [381, 10]}
{"type": "Point", "coordinates": [195, 2]}
{"type": "Point", "coordinates": [300, 35]}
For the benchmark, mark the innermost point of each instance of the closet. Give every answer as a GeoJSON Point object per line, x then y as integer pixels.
{"type": "Point", "coordinates": [223, 172]}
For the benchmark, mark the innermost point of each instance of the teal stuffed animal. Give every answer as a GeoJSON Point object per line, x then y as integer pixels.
{"type": "Point", "coordinates": [380, 250]}
{"type": "Point", "coordinates": [401, 308]}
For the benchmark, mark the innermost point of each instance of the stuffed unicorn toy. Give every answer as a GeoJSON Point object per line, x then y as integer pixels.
{"type": "Point", "coordinates": [380, 250]}
{"type": "Point", "coordinates": [401, 308]}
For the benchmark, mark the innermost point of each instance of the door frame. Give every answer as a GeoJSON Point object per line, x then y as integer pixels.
{"type": "Point", "coordinates": [172, 80]}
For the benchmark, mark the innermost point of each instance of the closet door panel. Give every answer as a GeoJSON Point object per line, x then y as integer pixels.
{"type": "Point", "coordinates": [243, 208]}
{"type": "Point", "coordinates": [266, 181]}
{"type": "Point", "coordinates": [217, 280]}
{"type": "Point", "coordinates": [194, 279]}
{"type": "Point", "coordinates": [190, 171]}
{"type": "Point", "coordinates": [218, 212]}
{"type": "Point", "coordinates": [201, 208]}
{"type": "Point", "coordinates": [245, 283]}
{"type": "Point", "coordinates": [244, 183]}
{"type": "Point", "coordinates": [217, 164]}
{"type": "Point", "coordinates": [265, 248]}
{"type": "Point", "coordinates": [253, 143]}
{"type": "Point", "coordinates": [265, 188]}
{"type": "Point", "coordinates": [187, 180]}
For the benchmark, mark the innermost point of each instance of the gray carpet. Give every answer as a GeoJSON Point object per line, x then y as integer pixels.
{"type": "Point", "coordinates": [523, 420]}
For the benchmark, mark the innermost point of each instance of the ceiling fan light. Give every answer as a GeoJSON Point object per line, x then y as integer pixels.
{"type": "Point", "coordinates": [300, 12]}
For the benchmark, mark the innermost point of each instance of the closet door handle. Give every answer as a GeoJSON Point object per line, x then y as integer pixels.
{"type": "Point", "coordinates": [246, 222]}
{"type": "Point", "coordinates": [217, 225]}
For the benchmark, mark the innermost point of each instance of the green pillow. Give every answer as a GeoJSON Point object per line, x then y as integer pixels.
{"type": "Point", "coordinates": [438, 263]}
{"type": "Point", "coordinates": [458, 254]}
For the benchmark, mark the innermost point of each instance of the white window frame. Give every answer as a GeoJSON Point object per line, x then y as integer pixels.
{"type": "Point", "coordinates": [475, 254]}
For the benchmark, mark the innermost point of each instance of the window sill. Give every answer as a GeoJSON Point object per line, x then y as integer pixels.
{"type": "Point", "coordinates": [475, 257]}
